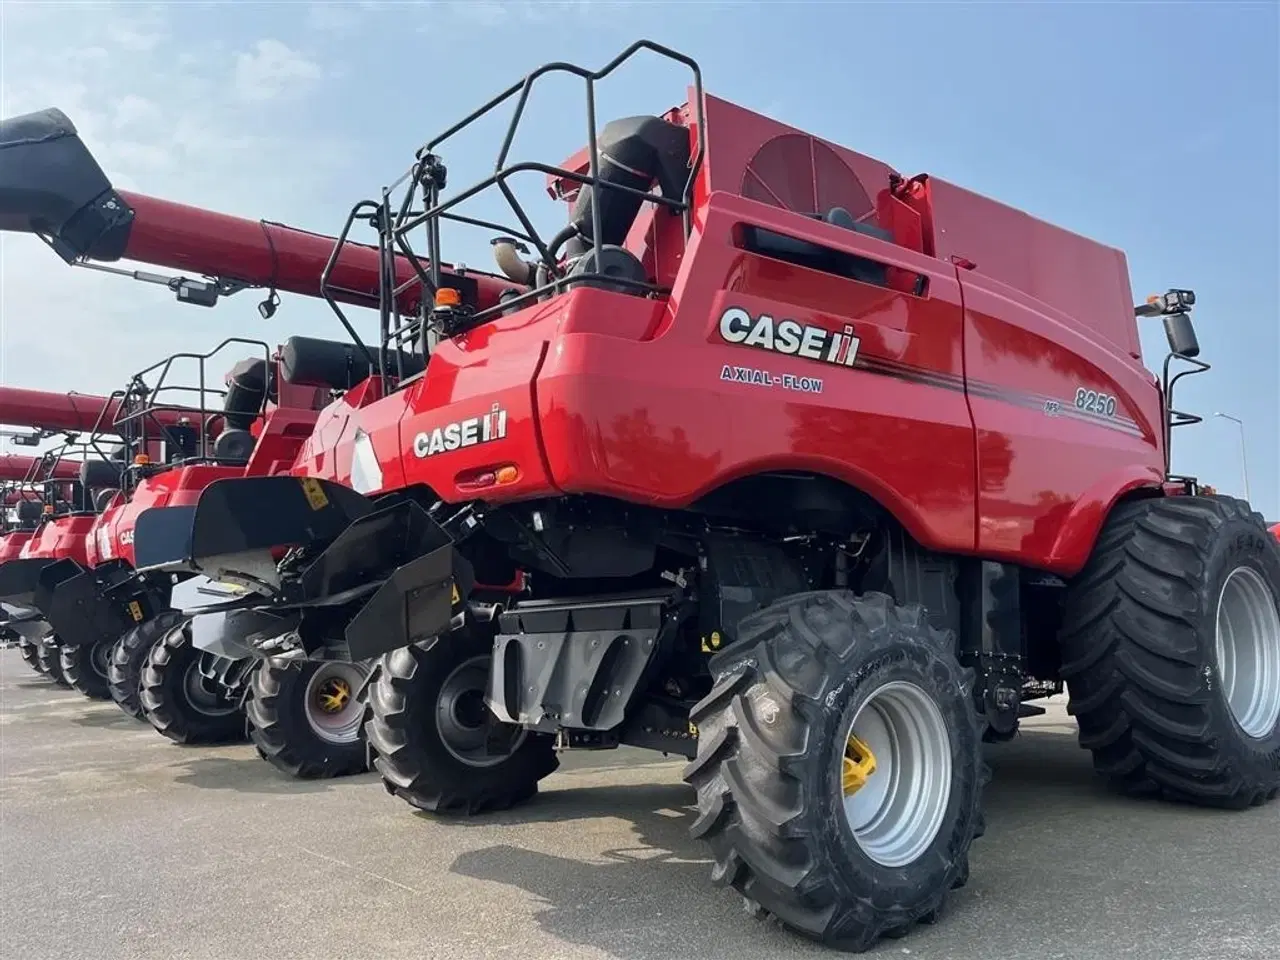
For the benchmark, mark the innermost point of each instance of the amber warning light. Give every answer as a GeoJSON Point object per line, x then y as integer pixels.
{"type": "Point", "coordinates": [448, 297]}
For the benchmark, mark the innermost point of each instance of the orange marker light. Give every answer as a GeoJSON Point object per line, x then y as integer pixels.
{"type": "Point", "coordinates": [141, 460]}
{"type": "Point", "coordinates": [448, 297]}
{"type": "Point", "coordinates": [508, 474]}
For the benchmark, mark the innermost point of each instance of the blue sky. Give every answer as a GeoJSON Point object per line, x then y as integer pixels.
{"type": "Point", "coordinates": [1152, 127]}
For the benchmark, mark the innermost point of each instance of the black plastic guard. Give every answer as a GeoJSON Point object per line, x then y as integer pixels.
{"type": "Point", "coordinates": [247, 514]}
{"type": "Point", "coordinates": [162, 538]}
{"type": "Point", "coordinates": [418, 602]}
{"type": "Point", "coordinates": [18, 580]}
{"type": "Point", "coordinates": [78, 606]}
{"type": "Point", "coordinates": [426, 579]}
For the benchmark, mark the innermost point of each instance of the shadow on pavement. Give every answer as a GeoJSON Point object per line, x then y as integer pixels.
{"type": "Point", "coordinates": [252, 774]}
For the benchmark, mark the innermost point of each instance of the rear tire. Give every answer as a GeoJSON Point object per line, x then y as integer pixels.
{"type": "Point", "coordinates": [129, 657]}
{"type": "Point", "coordinates": [839, 853]}
{"type": "Point", "coordinates": [50, 660]}
{"type": "Point", "coordinates": [1171, 651]}
{"type": "Point", "coordinates": [305, 718]}
{"type": "Point", "coordinates": [29, 650]}
{"type": "Point", "coordinates": [427, 726]}
{"type": "Point", "coordinates": [180, 703]}
{"type": "Point", "coordinates": [85, 668]}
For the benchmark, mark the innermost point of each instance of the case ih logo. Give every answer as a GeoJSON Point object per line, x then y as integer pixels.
{"type": "Point", "coordinates": [789, 337]}
{"type": "Point", "coordinates": [463, 433]}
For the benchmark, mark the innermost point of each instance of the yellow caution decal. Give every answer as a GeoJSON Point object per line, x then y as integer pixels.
{"type": "Point", "coordinates": [135, 611]}
{"type": "Point", "coordinates": [314, 493]}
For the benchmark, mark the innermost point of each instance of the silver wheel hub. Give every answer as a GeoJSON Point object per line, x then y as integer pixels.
{"type": "Point", "coordinates": [463, 718]}
{"type": "Point", "coordinates": [100, 658]}
{"type": "Point", "coordinates": [1248, 651]}
{"type": "Point", "coordinates": [896, 773]}
{"type": "Point", "coordinates": [333, 710]}
{"type": "Point", "coordinates": [206, 696]}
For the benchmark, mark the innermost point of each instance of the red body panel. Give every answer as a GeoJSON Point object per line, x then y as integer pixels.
{"type": "Point", "coordinates": [959, 414]}
{"type": "Point", "coordinates": [61, 538]}
{"type": "Point", "coordinates": [278, 442]}
{"type": "Point", "coordinates": [11, 544]}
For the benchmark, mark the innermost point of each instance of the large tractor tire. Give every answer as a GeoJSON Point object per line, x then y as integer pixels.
{"type": "Point", "coordinates": [180, 702]}
{"type": "Point", "coordinates": [50, 660]}
{"type": "Point", "coordinates": [85, 668]}
{"type": "Point", "coordinates": [29, 650]}
{"type": "Point", "coordinates": [1171, 651]}
{"type": "Point", "coordinates": [839, 768]}
{"type": "Point", "coordinates": [435, 741]}
{"type": "Point", "coordinates": [305, 717]}
{"type": "Point", "coordinates": [129, 656]}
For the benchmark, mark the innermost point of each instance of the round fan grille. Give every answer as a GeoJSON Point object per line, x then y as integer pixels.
{"type": "Point", "coordinates": [798, 173]}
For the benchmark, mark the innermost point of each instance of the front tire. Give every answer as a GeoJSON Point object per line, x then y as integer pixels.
{"type": "Point", "coordinates": [429, 725]}
{"type": "Point", "coordinates": [50, 660]}
{"type": "Point", "coordinates": [180, 702]}
{"type": "Point", "coordinates": [839, 769]}
{"type": "Point", "coordinates": [29, 650]}
{"type": "Point", "coordinates": [85, 668]}
{"type": "Point", "coordinates": [129, 657]}
{"type": "Point", "coordinates": [305, 717]}
{"type": "Point", "coordinates": [1171, 651]}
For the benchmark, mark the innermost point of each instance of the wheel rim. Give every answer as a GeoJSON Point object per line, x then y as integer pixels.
{"type": "Point", "coordinates": [205, 695]}
{"type": "Point", "coordinates": [1248, 650]}
{"type": "Point", "coordinates": [462, 716]}
{"type": "Point", "coordinates": [896, 773]}
{"type": "Point", "coordinates": [333, 710]}
{"type": "Point", "coordinates": [100, 658]}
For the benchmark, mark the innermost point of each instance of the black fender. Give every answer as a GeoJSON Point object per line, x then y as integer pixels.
{"type": "Point", "coordinates": [413, 575]}
{"type": "Point", "coordinates": [18, 580]}
{"type": "Point", "coordinates": [240, 516]}
{"type": "Point", "coordinates": [85, 605]}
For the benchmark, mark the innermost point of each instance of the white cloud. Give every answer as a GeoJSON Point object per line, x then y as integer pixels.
{"type": "Point", "coordinates": [274, 71]}
{"type": "Point", "coordinates": [164, 117]}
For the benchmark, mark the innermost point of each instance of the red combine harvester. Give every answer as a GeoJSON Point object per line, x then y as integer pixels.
{"type": "Point", "coordinates": [812, 472]}
{"type": "Point", "coordinates": [51, 519]}
{"type": "Point", "coordinates": [84, 220]}
{"type": "Point", "coordinates": [46, 414]}
{"type": "Point", "coordinates": [70, 511]}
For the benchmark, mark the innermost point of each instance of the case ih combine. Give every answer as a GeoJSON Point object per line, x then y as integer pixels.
{"type": "Point", "coordinates": [814, 473]}
{"type": "Point", "coordinates": [28, 489]}
{"type": "Point", "coordinates": [303, 717]}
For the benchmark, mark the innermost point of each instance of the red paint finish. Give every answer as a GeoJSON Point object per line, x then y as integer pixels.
{"type": "Point", "coordinates": [959, 414]}
{"type": "Point", "coordinates": [11, 544]}
{"type": "Point", "coordinates": [181, 237]}
{"type": "Point", "coordinates": [60, 538]}
{"type": "Point", "coordinates": [280, 436]}
{"type": "Point", "coordinates": [45, 410]}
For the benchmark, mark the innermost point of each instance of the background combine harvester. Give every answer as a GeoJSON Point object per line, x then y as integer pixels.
{"type": "Point", "coordinates": [21, 504]}
{"type": "Point", "coordinates": [28, 491]}
{"type": "Point", "coordinates": [304, 717]}
{"type": "Point", "coordinates": [812, 472]}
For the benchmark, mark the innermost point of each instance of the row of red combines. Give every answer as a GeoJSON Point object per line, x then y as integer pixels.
{"type": "Point", "coordinates": [767, 455]}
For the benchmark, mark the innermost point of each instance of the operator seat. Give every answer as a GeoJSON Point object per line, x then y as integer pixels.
{"type": "Point", "coordinates": [28, 513]}
{"type": "Point", "coordinates": [101, 474]}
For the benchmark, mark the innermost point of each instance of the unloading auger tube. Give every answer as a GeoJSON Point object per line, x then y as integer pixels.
{"type": "Point", "coordinates": [51, 185]}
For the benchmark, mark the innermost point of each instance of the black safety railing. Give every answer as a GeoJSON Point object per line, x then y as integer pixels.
{"type": "Point", "coordinates": [421, 206]}
{"type": "Point", "coordinates": [156, 390]}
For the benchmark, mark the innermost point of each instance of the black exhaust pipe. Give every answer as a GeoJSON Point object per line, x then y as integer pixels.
{"type": "Point", "coordinates": [51, 185]}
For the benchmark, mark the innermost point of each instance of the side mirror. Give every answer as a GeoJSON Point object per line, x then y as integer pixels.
{"type": "Point", "coordinates": [1181, 334]}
